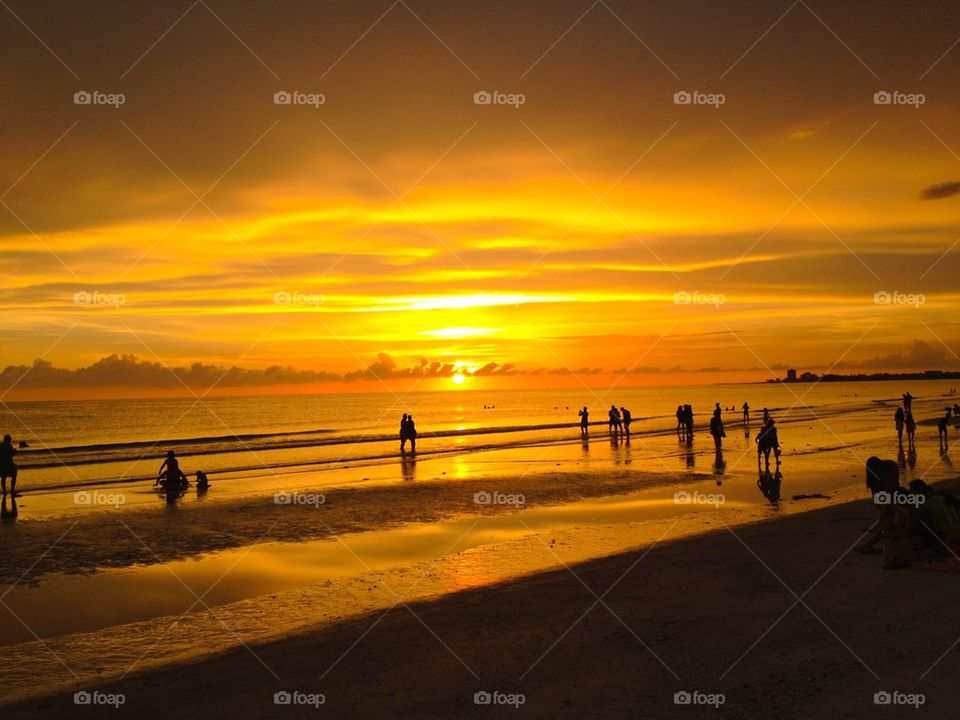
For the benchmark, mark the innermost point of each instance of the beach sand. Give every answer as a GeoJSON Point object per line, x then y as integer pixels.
{"type": "Point", "coordinates": [781, 617]}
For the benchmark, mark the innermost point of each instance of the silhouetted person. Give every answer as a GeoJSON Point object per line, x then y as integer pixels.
{"type": "Point", "coordinates": [716, 429]}
{"type": "Point", "coordinates": [627, 419]}
{"type": "Point", "coordinates": [614, 423]}
{"type": "Point", "coordinates": [883, 476]}
{"type": "Point", "coordinates": [688, 423]}
{"type": "Point", "coordinates": [412, 433]}
{"type": "Point", "coordinates": [681, 423]}
{"type": "Point", "coordinates": [171, 478]}
{"type": "Point", "coordinates": [766, 416]}
{"type": "Point", "coordinates": [907, 401]}
{"type": "Point", "coordinates": [404, 432]}
{"type": "Point", "coordinates": [767, 441]}
{"type": "Point", "coordinates": [943, 424]}
{"type": "Point", "coordinates": [8, 468]}
{"type": "Point", "coordinates": [584, 421]}
{"type": "Point", "coordinates": [746, 412]}
{"type": "Point", "coordinates": [911, 426]}
{"type": "Point", "coordinates": [203, 484]}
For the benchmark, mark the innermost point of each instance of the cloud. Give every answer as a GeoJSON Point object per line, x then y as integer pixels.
{"type": "Point", "coordinates": [129, 371]}
{"type": "Point", "coordinates": [941, 190]}
{"type": "Point", "coordinates": [921, 355]}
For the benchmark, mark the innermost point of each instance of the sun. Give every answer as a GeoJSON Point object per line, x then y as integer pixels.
{"type": "Point", "coordinates": [459, 378]}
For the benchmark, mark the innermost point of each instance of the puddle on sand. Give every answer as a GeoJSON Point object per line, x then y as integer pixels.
{"type": "Point", "coordinates": [117, 621]}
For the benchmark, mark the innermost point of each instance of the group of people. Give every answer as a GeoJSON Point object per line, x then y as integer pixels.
{"type": "Point", "coordinates": [408, 431]}
{"type": "Point", "coordinates": [618, 421]}
{"type": "Point", "coordinates": [172, 481]}
{"type": "Point", "coordinates": [913, 523]}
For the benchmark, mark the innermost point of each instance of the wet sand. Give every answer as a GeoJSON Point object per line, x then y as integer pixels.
{"type": "Point", "coordinates": [716, 613]}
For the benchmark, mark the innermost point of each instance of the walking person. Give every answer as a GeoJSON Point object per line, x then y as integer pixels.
{"type": "Point", "coordinates": [898, 419]}
{"type": "Point", "coordinates": [8, 468]}
{"type": "Point", "coordinates": [911, 425]}
{"type": "Point", "coordinates": [943, 425]}
{"type": "Point", "coordinates": [627, 419]}
{"type": "Point", "coordinates": [746, 413]}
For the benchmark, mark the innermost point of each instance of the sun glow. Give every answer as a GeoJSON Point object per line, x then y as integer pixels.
{"type": "Point", "coordinates": [459, 378]}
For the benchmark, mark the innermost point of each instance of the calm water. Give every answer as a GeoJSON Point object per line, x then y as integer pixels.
{"type": "Point", "coordinates": [88, 441]}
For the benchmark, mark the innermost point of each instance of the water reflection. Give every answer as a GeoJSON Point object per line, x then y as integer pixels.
{"type": "Point", "coordinates": [408, 467]}
{"type": "Point", "coordinates": [769, 484]}
{"type": "Point", "coordinates": [11, 512]}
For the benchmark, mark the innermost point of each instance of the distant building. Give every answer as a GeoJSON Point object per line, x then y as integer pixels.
{"type": "Point", "coordinates": [792, 375]}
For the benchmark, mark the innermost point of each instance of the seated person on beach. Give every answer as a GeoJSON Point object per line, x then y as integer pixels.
{"type": "Point", "coordinates": [170, 476]}
{"type": "Point", "coordinates": [202, 482]}
{"type": "Point", "coordinates": [903, 521]}
{"type": "Point", "coordinates": [8, 468]}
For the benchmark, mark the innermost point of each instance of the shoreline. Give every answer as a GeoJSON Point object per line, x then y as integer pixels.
{"type": "Point", "coordinates": [678, 616]}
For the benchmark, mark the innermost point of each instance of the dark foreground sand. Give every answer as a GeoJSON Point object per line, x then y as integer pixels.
{"type": "Point", "coordinates": [699, 604]}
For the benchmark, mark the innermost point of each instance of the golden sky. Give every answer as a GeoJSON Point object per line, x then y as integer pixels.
{"type": "Point", "coordinates": [598, 228]}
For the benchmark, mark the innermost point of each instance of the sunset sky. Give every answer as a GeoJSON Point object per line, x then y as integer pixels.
{"type": "Point", "coordinates": [400, 230]}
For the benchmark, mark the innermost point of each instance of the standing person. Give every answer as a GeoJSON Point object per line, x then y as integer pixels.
{"type": "Point", "coordinates": [680, 422]}
{"type": "Point", "coordinates": [688, 422]}
{"type": "Point", "coordinates": [746, 413]}
{"type": "Point", "coordinates": [627, 419]}
{"type": "Point", "coordinates": [911, 430]}
{"type": "Point", "coordinates": [942, 425]}
{"type": "Point", "coordinates": [8, 468]}
{"type": "Point", "coordinates": [907, 401]}
{"type": "Point", "coordinates": [584, 420]}
{"type": "Point", "coordinates": [716, 429]}
{"type": "Point", "coordinates": [614, 422]}
{"type": "Point", "coordinates": [404, 432]}
{"type": "Point", "coordinates": [767, 440]}
{"type": "Point", "coordinates": [898, 419]}
{"type": "Point", "coordinates": [412, 433]}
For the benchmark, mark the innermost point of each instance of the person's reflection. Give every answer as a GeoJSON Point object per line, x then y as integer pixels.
{"type": "Point", "coordinates": [688, 454]}
{"type": "Point", "coordinates": [627, 459]}
{"type": "Point", "coordinates": [901, 458]}
{"type": "Point", "coordinates": [719, 466]}
{"type": "Point", "coordinates": [912, 457]}
{"type": "Point", "coordinates": [408, 467]}
{"type": "Point", "coordinates": [746, 429]}
{"type": "Point", "coordinates": [585, 445]}
{"type": "Point", "coordinates": [11, 513]}
{"type": "Point", "coordinates": [769, 484]}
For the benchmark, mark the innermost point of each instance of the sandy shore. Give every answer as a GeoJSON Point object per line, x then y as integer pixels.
{"type": "Point", "coordinates": [715, 613]}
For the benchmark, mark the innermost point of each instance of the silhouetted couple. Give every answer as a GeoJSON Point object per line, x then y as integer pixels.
{"type": "Point", "coordinates": [615, 422]}
{"type": "Point", "coordinates": [8, 468]}
{"type": "Point", "coordinates": [408, 431]}
{"type": "Point", "coordinates": [685, 423]}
